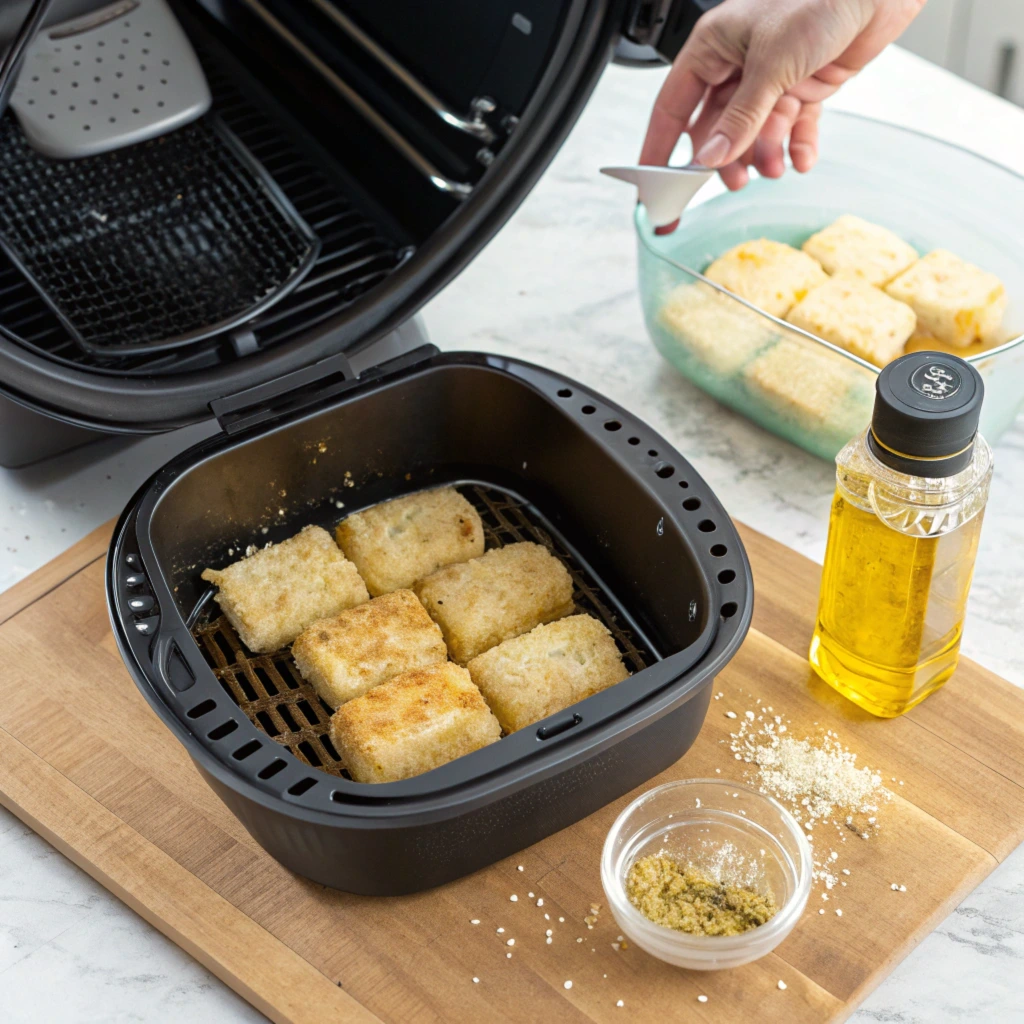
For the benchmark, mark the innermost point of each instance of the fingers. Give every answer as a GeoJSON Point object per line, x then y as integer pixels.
{"type": "Point", "coordinates": [735, 175]}
{"type": "Point", "coordinates": [768, 155]}
{"type": "Point", "coordinates": [715, 101]}
{"type": "Point", "coordinates": [803, 140]}
{"type": "Point", "coordinates": [752, 103]}
{"type": "Point", "coordinates": [680, 93]}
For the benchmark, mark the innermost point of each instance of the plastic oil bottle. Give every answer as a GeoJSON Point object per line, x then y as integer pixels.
{"type": "Point", "coordinates": [903, 536]}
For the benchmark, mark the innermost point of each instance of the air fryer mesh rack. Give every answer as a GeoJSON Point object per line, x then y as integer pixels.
{"type": "Point", "coordinates": [279, 702]}
{"type": "Point", "coordinates": [156, 244]}
{"type": "Point", "coordinates": [356, 252]}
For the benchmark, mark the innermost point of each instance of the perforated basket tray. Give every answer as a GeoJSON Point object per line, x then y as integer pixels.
{"type": "Point", "coordinates": [652, 552]}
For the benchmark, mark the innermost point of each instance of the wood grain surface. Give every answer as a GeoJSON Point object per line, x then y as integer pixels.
{"type": "Point", "coordinates": [85, 763]}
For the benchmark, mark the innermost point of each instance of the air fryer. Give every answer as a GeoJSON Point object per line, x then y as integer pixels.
{"type": "Point", "coordinates": [651, 552]}
{"type": "Point", "coordinates": [402, 134]}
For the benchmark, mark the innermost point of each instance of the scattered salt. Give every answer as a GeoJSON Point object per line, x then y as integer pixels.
{"type": "Point", "coordinates": [513, 898]}
{"type": "Point", "coordinates": [476, 981]}
{"type": "Point", "coordinates": [782, 985]}
{"type": "Point", "coordinates": [620, 1002]}
{"type": "Point", "coordinates": [567, 984]}
{"type": "Point", "coordinates": [730, 714]}
{"type": "Point", "coordinates": [475, 920]}
{"type": "Point", "coordinates": [702, 999]}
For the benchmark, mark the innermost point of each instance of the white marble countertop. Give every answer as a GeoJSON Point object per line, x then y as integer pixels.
{"type": "Point", "coordinates": [556, 287]}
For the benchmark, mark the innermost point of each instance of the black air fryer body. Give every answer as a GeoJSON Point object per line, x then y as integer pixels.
{"type": "Point", "coordinates": [403, 133]}
{"type": "Point", "coordinates": [648, 544]}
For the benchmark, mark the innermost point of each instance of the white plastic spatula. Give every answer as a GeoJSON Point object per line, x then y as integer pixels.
{"type": "Point", "coordinates": [664, 191]}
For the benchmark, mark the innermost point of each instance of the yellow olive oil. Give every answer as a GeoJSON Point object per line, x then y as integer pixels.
{"type": "Point", "coordinates": [891, 611]}
{"type": "Point", "coordinates": [903, 537]}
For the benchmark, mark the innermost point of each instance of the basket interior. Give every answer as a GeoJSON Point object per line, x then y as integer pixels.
{"type": "Point", "coordinates": [281, 704]}
{"type": "Point", "coordinates": [639, 531]}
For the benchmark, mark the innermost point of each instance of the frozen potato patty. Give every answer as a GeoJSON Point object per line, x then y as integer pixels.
{"type": "Point", "coordinates": [272, 595]}
{"type": "Point", "coordinates": [955, 301]}
{"type": "Point", "coordinates": [361, 647]}
{"type": "Point", "coordinates": [398, 542]}
{"type": "Point", "coordinates": [856, 316]}
{"type": "Point", "coordinates": [412, 723]}
{"type": "Point", "coordinates": [714, 328]}
{"type": "Point", "coordinates": [857, 246]}
{"type": "Point", "coordinates": [816, 390]}
{"type": "Point", "coordinates": [772, 275]}
{"type": "Point", "coordinates": [551, 667]}
{"type": "Point", "coordinates": [499, 595]}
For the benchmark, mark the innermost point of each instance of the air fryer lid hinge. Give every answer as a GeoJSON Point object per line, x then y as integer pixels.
{"type": "Point", "coordinates": [285, 394]}
{"type": "Point", "coordinates": [303, 388]}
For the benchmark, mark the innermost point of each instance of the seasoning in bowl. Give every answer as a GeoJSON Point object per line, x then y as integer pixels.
{"type": "Point", "coordinates": [691, 900]}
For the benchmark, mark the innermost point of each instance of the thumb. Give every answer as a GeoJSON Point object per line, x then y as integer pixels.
{"type": "Point", "coordinates": [745, 114]}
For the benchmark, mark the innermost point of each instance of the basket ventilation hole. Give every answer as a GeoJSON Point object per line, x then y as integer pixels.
{"type": "Point", "coordinates": [718, 550]}
{"type": "Point", "coordinates": [306, 708]}
{"type": "Point", "coordinates": [587, 410]}
{"type": "Point", "coordinates": [729, 609]}
{"type": "Point", "coordinates": [310, 754]}
{"type": "Point", "coordinates": [247, 750]}
{"type": "Point", "coordinates": [634, 440]}
{"type": "Point", "coordinates": [222, 730]}
{"type": "Point", "coordinates": [726, 576]}
{"type": "Point", "coordinates": [564, 393]}
{"type": "Point", "coordinates": [684, 483]}
{"type": "Point", "coordinates": [706, 526]}
{"type": "Point", "coordinates": [652, 452]}
{"type": "Point", "coordinates": [613, 425]}
{"type": "Point", "coordinates": [267, 723]}
{"type": "Point", "coordinates": [691, 504]}
{"type": "Point", "coordinates": [302, 786]}
{"type": "Point", "coordinates": [202, 709]}
{"type": "Point", "coordinates": [277, 765]}
{"type": "Point", "coordinates": [665, 470]}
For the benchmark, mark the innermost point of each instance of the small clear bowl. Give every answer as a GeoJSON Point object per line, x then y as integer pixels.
{"type": "Point", "coordinates": [707, 822]}
{"type": "Point", "coordinates": [931, 193]}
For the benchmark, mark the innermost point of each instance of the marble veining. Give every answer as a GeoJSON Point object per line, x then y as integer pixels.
{"type": "Point", "coordinates": [556, 286]}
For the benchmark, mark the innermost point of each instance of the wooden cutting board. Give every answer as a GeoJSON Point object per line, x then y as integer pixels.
{"type": "Point", "coordinates": [85, 763]}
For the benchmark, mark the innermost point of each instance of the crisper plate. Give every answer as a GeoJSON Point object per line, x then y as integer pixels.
{"type": "Point", "coordinates": [153, 246]}
{"type": "Point", "coordinates": [114, 77]}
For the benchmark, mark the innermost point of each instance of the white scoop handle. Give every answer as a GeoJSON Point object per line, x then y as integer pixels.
{"type": "Point", "coordinates": [664, 191]}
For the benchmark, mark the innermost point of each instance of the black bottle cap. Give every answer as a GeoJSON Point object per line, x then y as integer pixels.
{"type": "Point", "coordinates": [927, 407]}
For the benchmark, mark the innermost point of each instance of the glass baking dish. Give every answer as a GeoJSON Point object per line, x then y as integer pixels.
{"type": "Point", "coordinates": [933, 194]}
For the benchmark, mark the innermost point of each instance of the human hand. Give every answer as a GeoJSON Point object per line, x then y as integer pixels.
{"type": "Point", "coordinates": [759, 70]}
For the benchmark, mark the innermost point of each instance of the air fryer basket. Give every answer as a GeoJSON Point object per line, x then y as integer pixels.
{"type": "Point", "coordinates": [652, 552]}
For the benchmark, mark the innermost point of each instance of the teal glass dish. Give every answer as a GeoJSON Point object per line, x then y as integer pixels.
{"type": "Point", "coordinates": [931, 193]}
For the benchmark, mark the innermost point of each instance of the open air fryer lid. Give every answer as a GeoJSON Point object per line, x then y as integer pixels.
{"type": "Point", "coordinates": [514, 123]}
